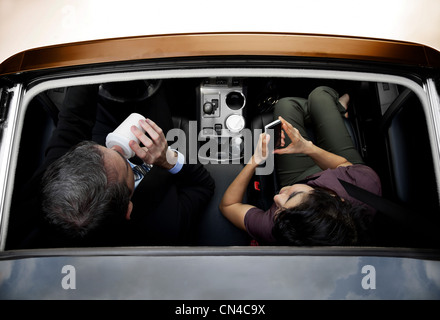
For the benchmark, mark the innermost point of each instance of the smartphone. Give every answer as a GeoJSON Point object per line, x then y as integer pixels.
{"type": "Point", "coordinates": [276, 133]}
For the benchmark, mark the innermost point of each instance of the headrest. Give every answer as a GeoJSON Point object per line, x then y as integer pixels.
{"type": "Point", "coordinates": [129, 91]}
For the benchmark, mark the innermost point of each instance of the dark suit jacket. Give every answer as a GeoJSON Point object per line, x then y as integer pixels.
{"type": "Point", "coordinates": [165, 206]}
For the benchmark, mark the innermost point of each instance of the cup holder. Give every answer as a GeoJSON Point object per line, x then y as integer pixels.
{"type": "Point", "coordinates": [235, 100]}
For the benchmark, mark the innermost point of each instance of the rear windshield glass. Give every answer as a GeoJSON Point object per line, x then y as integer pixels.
{"type": "Point", "coordinates": [190, 152]}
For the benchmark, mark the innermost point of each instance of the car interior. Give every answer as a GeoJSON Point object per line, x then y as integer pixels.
{"type": "Point", "coordinates": [387, 122]}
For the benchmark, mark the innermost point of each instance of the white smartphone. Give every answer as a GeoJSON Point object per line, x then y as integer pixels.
{"type": "Point", "coordinates": [276, 133]}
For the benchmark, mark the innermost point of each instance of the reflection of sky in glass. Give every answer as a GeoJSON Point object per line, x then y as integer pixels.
{"type": "Point", "coordinates": [219, 277]}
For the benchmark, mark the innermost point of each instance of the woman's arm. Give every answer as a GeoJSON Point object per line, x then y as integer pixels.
{"type": "Point", "coordinates": [231, 204]}
{"type": "Point", "coordinates": [323, 158]}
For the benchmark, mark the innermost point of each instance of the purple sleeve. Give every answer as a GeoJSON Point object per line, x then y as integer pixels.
{"type": "Point", "coordinates": [259, 225]}
{"type": "Point", "coordinates": [359, 175]}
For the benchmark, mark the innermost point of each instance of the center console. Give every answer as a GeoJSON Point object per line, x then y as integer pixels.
{"type": "Point", "coordinates": [221, 118]}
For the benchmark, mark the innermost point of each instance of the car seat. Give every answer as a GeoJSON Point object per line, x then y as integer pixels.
{"type": "Point", "coordinates": [213, 228]}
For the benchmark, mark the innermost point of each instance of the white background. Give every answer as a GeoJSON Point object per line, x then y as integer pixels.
{"type": "Point", "coordinates": [26, 24]}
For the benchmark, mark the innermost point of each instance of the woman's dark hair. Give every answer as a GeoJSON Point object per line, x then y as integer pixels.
{"type": "Point", "coordinates": [322, 219]}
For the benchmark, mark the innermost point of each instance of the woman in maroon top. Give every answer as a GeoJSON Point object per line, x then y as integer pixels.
{"type": "Point", "coordinates": [312, 207]}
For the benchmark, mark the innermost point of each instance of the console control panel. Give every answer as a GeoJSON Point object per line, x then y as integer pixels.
{"type": "Point", "coordinates": [221, 116]}
{"type": "Point", "coordinates": [222, 102]}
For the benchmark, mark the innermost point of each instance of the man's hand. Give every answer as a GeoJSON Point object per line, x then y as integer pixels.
{"type": "Point", "coordinates": [155, 148]}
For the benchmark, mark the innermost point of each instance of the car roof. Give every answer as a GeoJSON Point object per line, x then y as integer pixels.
{"type": "Point", "coordinates": [220, 44]}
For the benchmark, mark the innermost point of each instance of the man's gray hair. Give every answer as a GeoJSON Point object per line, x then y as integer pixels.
{"type": "Point", "coordinates": [77, 196]}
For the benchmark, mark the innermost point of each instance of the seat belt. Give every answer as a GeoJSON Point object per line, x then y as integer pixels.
{"type": "Point", "coordinates": [403, 215]}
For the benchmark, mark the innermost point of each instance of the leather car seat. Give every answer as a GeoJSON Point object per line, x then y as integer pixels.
{"type": "Point", "coordinates": [214, 229]}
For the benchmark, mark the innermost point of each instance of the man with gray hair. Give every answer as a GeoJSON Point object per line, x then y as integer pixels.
{"type": "Point", "coordinates": [92, 196]}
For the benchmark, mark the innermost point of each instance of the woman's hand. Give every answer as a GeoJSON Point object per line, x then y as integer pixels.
{"type": "Point", "coordinates": [324, 159]}
{"type": "Point", "coordinates": [297, 145]}
{"type": "Point", "coordinates": [262, 150]}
